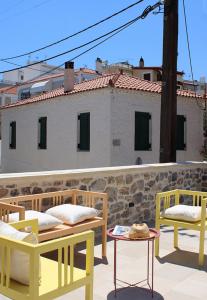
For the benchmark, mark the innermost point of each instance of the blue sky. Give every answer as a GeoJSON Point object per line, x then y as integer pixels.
{"type": "Point", "coordinates": [27, 25]}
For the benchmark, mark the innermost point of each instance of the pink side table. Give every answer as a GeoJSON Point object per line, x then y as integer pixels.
{"type": "Point", "coordinates": [153, 234]}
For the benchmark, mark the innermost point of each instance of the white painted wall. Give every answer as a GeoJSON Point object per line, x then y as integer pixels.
{"type": "Point", "coordinates": [112, 113]}
{"type": "Point", "coordinates": [30, 73]}
{"type": "Point", "coordinates": [61, 150]}
{"type": "Point", "coordinates": [6, 98]}
{"type": "Point", "coordinates": [124, 105]}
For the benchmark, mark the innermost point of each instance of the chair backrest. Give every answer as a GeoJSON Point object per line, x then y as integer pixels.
{"type": "Point", "coordinates": [64, 279]}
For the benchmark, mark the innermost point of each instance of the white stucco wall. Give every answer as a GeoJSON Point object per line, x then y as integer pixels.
{"type": "Point", "coordinates": [61, 152]}
{"type": "Point", "coordinates": [125, 103]}
{"type": "Point", "coordinates": [112, 117]}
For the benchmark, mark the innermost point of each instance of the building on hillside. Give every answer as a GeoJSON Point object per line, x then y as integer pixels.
{"type": "Point", "coordinates": [141, 71]}
{"type": "Point", "coordinates": [111, 120]}
{"type": "Point", "coordinates": [51, 82]}
{"type": "Point", "coordinates": [199, 87]}
{"type": "Point", "coordinates": [30, 73]}
{"type": "Point", "coordinates": [8, 95]}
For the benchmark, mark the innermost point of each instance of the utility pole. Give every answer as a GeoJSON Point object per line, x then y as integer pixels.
{"type": "Point", "coordinates": [169, 83]}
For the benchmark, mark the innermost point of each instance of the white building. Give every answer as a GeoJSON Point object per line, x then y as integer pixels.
{"type": "Point", "coordinates": [51, 82]}
{"type": "Point", "coordinates": [8, 95]}
{"type": "Point", "coordinates": [30, 73]}
{"type": "Point", "coordinates": [108, 121]}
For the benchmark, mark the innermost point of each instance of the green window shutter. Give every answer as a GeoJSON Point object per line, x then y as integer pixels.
{"type": "Point", "coordinates": [12, 144]}
{"type": "Point", "coordinates": [84, 139]}
{"type": "Point", "coordinates": [42, 133]}
{"type": "Point", "coordinates": [180, 133]}
{"type": "Point", "coordinates": [142, 131]}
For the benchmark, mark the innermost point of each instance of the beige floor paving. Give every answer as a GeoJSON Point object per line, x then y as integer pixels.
{"type": "Point", "coordinates": [177, 276]}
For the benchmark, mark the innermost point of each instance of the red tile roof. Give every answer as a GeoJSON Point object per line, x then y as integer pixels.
{"type": "Point", "coordinates": [112, 80]}
{"type": "Point", "coordinates": [86, 70]}
{"type": "Point", "coordinates": [9, 90]}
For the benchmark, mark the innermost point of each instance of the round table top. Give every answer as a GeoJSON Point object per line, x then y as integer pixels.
{"type": "Point", "coordinates": [153, 234]}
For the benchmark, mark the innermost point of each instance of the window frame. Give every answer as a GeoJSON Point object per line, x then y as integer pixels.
{"type": "Point", "coordinates": [81, 147]}
{"type": "Point", "coordinates": [149, 74]}
{"type": "Point", "coordinates": [148, 144]}
{"type": "Point", "coordinates": [12, 135]}
{"type": "Point", "coordinates": [182, 147]}
{"type": "Point", "coordinates": [42, 140]}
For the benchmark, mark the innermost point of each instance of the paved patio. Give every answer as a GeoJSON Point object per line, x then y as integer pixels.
{"type": "Point", "coordinates": [177, 276]}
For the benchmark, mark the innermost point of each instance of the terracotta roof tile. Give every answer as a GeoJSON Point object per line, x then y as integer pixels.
{"type": "Point", "coordinates": [116, 80]}
{"type": "Point", "coordinates": [8, 90]}
{"type": "Point", "coordinates": [86, 70]}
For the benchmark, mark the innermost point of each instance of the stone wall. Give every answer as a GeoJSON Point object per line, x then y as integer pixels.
{"type": "Point", "coordinates": [131, 190]}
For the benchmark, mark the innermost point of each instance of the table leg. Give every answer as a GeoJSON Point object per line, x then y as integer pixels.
{"type": "Point", "coordinates": [148, 262]}
{"type": "Point", "coordinates": [115, 241]}
{"type": "Point", "coordinates": [152, 268]}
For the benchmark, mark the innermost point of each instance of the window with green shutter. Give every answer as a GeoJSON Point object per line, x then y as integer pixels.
{"type": "Point", "coordinates": [142, 131]}
{"type": "Point", "coordinates": [42, 142]}
{"type": "Point", "coordinates": [84, 131]}
{"type": "Point", "coordinates": [180, 133]}
{"type": "Point", "coordinates": [12, 143]}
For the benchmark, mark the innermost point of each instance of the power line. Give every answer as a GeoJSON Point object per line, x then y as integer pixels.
{"type": "Point", "coordinates": [74, 34]}
{"type": "Point", "coordinates": [72, 59]}
{"type": "Point", "coordinates": [142, 16]}
{"type": "Point", "coordinates": [189, 54]}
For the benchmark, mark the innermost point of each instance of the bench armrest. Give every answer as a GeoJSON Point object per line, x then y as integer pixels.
{"type": "Point", "coordinates": [6, 209]}
{"type": "Point", "coordinates": [164, 199]}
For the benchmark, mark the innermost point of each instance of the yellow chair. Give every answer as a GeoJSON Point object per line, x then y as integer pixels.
{"type": "Point", "coordinates": [165, 200]}
{"type": "Point", "coordinates": [57, 278]}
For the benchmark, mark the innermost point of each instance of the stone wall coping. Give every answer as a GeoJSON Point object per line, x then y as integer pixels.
{"type": "Point", "coordinates": [100, 172]}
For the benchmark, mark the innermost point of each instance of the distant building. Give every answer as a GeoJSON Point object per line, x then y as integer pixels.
{"type": "Point", "coordinates": [141, 71]}
{"type": "Point", "coordinates": [198, 86]}
{"type": "Point", "coordinates": [30, 73]}
{"type": "Point", "coordinates": [8, 95]}
{"type": "Point", "coordinates": [110, 120]}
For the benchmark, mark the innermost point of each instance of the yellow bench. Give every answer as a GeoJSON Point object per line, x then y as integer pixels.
{"type": "Point", "coordinates": [165, 200]}
{"type": "Point", "coordinates": [57, 278]}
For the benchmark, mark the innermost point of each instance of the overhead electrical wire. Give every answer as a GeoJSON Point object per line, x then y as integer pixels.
{"type": "Point", "coordinates": [189, 54]}
{"type": "Point", "coordinates": [142, 16]}
{"type": "Point", "coordinates": [74, 34]}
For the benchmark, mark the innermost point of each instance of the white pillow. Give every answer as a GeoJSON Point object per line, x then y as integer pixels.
{"type": "Point", "coordinates": [183, 212]}
{"type": "Point", "coordinates": [45, 221]}
{"type": "Point", "coordinates": [19, 260]}
{"type": "Point", "coordinates": [72, 214]}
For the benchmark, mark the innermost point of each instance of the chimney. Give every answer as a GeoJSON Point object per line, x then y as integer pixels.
{"type": "Point", "coordinates": [99, 65]}
{"type": "Point", "coordinates": [141, 62]}
{"type": "Point", "coordinates": [69, 76]}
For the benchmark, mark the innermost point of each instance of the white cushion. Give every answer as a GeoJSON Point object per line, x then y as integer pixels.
{"type": "Point", "coordinates": [45, 221]}
{"type": "Point", "coordinates": [183, 212]}
{"type": "Point", "coordinates": [72, 214]}
{"type": "Point", "coordinates": [19, 260]}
